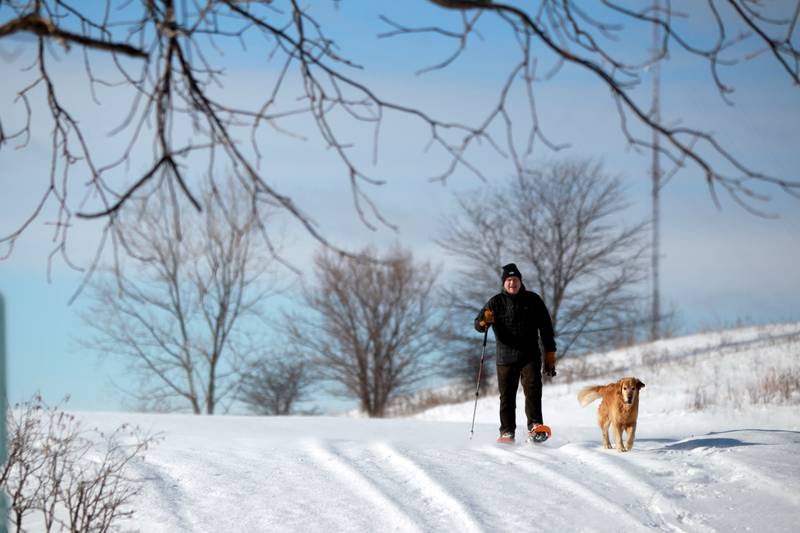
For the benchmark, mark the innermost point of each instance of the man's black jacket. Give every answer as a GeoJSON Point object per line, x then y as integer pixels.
{"type": "Point", "coordinates": [518, 321]}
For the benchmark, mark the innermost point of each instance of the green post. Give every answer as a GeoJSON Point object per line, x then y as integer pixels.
{"type": "Point", "coordinates": [3, 508]}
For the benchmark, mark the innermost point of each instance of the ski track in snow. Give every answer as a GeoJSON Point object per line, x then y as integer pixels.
{"type": "Point", "coordinates": [381, 477]}
{"type": "Point", "coordinates": [442, 503]}
{"type": "Point", "coordinates": [569, 486]}
{"type": "Point", "coordinates": [160, 487]}
{"type": "Point", "coordinates": [353, 479]}
{"type": "Point", "coordinates": [663, 512]}
{"type": "Point", "coordinates": [497, 499]}
{"type": "Point", "coordinates": [202, 490]}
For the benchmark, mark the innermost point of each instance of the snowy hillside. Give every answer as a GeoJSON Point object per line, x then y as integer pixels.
{"type": "Point", "coordinates": [731, 466]}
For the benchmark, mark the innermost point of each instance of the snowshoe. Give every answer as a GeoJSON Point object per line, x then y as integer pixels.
{"type": "Point", "coordinates": [539, 433]}
{"type": "Point", "coordinates": [505, 438]}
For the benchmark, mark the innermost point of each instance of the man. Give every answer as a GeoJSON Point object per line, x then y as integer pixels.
{"type": "Point", "coordinates": [518, 317]}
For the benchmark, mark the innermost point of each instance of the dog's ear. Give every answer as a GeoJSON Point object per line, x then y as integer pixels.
{"type": "Point", "coordinates": [639, 384]}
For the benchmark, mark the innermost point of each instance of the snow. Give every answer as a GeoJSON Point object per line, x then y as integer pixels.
{"type": "Point", "coordinates": [705, 459]}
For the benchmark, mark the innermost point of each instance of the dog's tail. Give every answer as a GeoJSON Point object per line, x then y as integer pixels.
{"type": "Point", "coordinates": [589, 394]}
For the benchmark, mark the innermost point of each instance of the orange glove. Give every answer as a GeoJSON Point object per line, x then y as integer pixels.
{"type": "Point", "coordinates": [550, 364]}
{"type": "Point", "coordinates": [487, 320]}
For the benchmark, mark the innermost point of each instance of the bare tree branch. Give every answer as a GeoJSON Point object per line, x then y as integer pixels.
{"type": "Point", "coordinates": [169, 66]}
{"type": "Point", "coordinates": [37, 25]}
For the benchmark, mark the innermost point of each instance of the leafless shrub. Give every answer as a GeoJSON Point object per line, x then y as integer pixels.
{"type": "Point", "coordinates": [274, 386]}
{"type": "Point", "coordinates": [782, 387]}
{"type": "Point", "coordinates": [579, 369]}
{"type": "Point", "coordinates": [652, 357]}
{"type": "Point", "coordinates": [60, 477]}
{"type": "Point", "coordinates": [412, 404]}
{"type": "Point", "coordinates": [699, 401]}
{"type": "Point", "coordinates": [773, 386]}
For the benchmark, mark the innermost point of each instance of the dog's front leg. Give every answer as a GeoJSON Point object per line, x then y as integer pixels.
{"type": "Point", "coordinates": [631, 431]}
{"type": "Point", "coordinates": [618, 437]}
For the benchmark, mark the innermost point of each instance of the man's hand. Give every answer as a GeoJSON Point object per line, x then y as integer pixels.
{"type": "Point", "coordinates": [550, 364]}
{"type": "Point", "coordinates": [487, 320]}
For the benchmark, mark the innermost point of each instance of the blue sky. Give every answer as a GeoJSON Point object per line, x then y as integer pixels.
{"type": "Point", "coordinates": [719, 265]}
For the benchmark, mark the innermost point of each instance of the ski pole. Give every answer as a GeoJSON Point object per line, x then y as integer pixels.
{"type": "Point", "coordinates": [478, 386]}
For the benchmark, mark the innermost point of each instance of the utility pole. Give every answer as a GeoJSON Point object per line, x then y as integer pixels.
{"type": "Point", "coordinates": [655, 113]}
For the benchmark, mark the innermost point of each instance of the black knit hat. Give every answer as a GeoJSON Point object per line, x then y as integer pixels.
{"type": "Point", "coordinates": [510, 270]}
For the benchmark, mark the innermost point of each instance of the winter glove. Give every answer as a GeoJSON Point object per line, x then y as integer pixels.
{"type": "Point", "coordinates": [487, 320]}
{"type": "Point", "coordinates": [550, 364]}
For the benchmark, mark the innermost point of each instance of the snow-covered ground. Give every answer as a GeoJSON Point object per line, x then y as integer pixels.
{"type": "Point", "coordinates": [730, 466]}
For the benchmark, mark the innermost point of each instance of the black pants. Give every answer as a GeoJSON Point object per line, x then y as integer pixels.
{"type": "Point", "coordinates": [508, 377]}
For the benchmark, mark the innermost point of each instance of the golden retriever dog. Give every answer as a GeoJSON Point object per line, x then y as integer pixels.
{"type": "Point", "coordinates": [619, 408]}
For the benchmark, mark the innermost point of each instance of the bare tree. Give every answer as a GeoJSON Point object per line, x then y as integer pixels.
{"type": "Point", "coordinates": [559, 223]}
{"type": "Point", "coordinates": [185, 310]}
{"type": "Point", "coordinates": [372, 330]}
{"type": "Point", "coordinates": [167, 60]}
{"type": "Point", "coordinates": [275, 385]}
